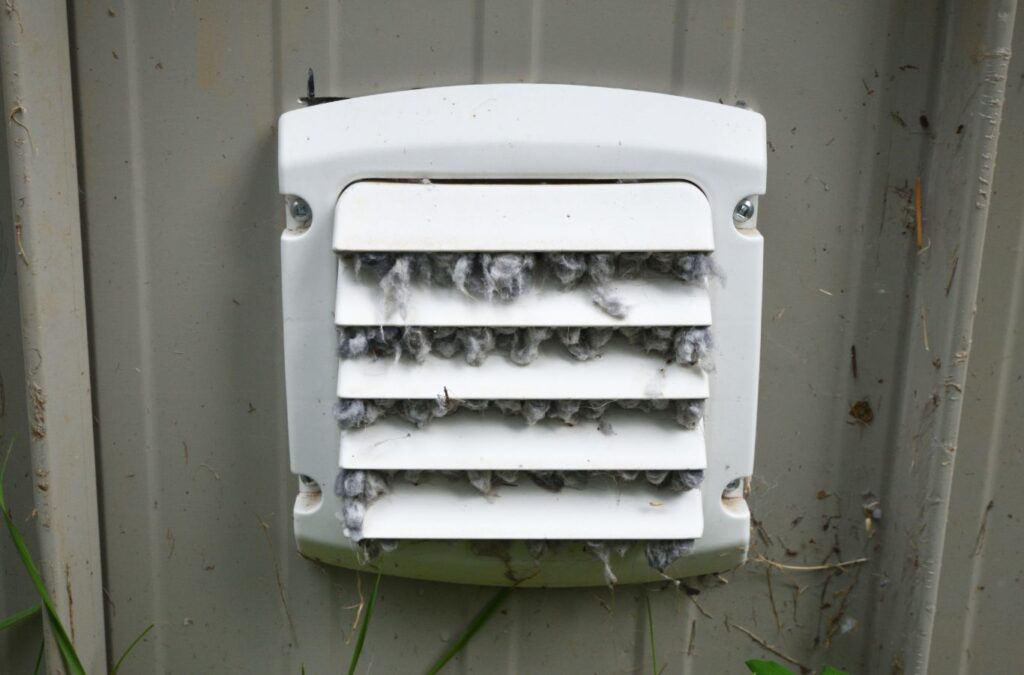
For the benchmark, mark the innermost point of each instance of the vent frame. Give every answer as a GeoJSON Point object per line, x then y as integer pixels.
{"type": "Point", "coordinates": [519, 132]}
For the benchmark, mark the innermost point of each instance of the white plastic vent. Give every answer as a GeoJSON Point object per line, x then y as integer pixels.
{"type": "Point", "coordinates": [416, 217]}
{"type": "Point", "coordinates": [528, 169]}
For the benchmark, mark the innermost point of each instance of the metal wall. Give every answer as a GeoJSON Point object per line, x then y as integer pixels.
{"type": "Point", "coordinates": [19, 646]}
{"type": "Point", "coordinates": [982, 579]}
{"type": "Point", "coordinates": [176, 110]}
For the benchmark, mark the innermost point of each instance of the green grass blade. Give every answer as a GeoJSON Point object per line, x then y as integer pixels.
{"type": "Point", "coordinates": [113, 671]}
{"type": "Point", "coordinates": [363, 627]}
{"type": "Point", "coordinates": [478, 622]}
{"type": "Point", "coordinates": [650, 627]}
{"type": "Point", "coordinates": [39, 657]}
{"type": "Point", "coordinates": [67, 649]}
{"type": "Point", "coordinates": [18, 617]}
{"type": "Point", "coordinates": [759, 667]}
{"type": "Point", "coordinates": [829, 670]}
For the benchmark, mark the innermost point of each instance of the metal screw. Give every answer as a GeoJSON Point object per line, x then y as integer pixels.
{"type": "Point", "coordinates": [300, 210]}
{"type": "Point", "coordinates": [744, 210]}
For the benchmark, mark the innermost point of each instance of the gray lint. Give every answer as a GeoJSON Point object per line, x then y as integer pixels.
{"type": "Point", "coordinates": [609, 303]}
{"type": "Point", "coordinates": [537, 548]}
{"type": "Point", "coordinates": [506, 276]}
{"type": "Point", "coordinates": [396, 285]}
{"type": "Point", "coordinates": [359, 488]}
{"type": "Point", "coordinates": [686, 346]}
{"type": "Point", "coordinates": [476, 343]}
{"type": "Point", "coordinates": [509, 275]}
{"type": "Point", "coordinates": [524, 343]}
{"type": "Point", "coordinates": [371, 549]}
{"type": "Point", "coordinates": [358, 413]}
{"type": "Point", "coordinates": [415, 341]}
{"type": "Point", "coordinates": [481, 480]}
{"type": "Point", "coordinates": [662, 553]}
{"type": "Point", "coordinates": [369, 485]}
{"type": "Point", "coordinates": [568, 268]}
{"type": "Point", "coordinates": [601, 551]}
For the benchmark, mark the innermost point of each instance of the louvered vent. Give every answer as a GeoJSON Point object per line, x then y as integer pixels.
{"type": "Point", "coordinates": [523, 358]}
{"type": "Point", "coordinates": [414, 218]}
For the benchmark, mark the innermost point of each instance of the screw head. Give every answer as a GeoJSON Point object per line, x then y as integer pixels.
{"type": "Point", "coordinates": [744, 210]}
{"type": "Point", "coordinates": [300, 210]}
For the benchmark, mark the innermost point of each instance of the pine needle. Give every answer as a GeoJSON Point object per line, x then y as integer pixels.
{"type": "Point", "coordinates": [478, 622]}
{"type": "Point", "coordinates": [810, 568]}
{"type": "Point", "coordinates": [18, 617]}
{"type": "Point", "coordinates": [918, 221]}
{"type": "Point", "coordinates": [650, 628]}
{"type": "Point", "coordinates": [113, 671]}
{"type": "Point", "coordinates": [39, 658]}
{"type": "Point", "coordinates": [363, 628]}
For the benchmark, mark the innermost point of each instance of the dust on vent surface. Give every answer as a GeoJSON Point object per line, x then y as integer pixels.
{"type": "Point", "coordinates": [540, 361]}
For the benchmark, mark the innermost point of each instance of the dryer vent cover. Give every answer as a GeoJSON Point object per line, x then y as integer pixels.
{"type": "Point", "coordinates": [521, 332]}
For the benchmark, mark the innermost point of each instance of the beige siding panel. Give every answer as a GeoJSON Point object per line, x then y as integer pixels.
{"type": "Point", "coordinates": [178, 105]}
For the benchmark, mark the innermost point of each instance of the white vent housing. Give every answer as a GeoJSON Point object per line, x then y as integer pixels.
{"type": "Point", "coordinates": [526, 168]}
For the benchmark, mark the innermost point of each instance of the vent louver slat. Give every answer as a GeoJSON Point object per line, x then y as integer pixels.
{"type": "Point", "coordinates": [453, 511]}
{"type": "Point", "coordinates": [624, 374]}
{"type": "Point", "coordinates": [478, 443]}
{"type": "Point", "coordinates": [651, 302]}
{"type": "Point", "coordinates": [644, 216]}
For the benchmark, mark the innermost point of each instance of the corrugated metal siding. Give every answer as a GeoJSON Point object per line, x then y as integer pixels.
{"type": "Point", "coordinates": [177, 104]}
{"type": "Point", "coordinates": [20, 645]}
{"type": "Point", "coordinates": [983, 564]}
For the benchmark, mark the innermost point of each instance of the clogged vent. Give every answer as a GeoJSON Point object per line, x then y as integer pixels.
{"type": "Point", "coordinates": [523, 361]}
{"type": "Point", "coordinates": [535, 374]}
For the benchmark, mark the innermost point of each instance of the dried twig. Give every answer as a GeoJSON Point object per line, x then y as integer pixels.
{"type": "Point", "coordinates": [919, 226]}
{"type": "Point", "coordinates": [797, 590]}
{"type": "Point", "coordinates": [810, 568]}
{"type": "Point", "coordinates": [774, 650]}
{"type": "Point", "coordinates": [823, 604]}
{"type": "Point", "coordinates": [980, 540]}
{"type": "Point", "coordinates": [209, 468]}
{"type": "Point", "coordinates": [698, 605]}
{"type": "Point", "coordinates": [924, 328]}
{"type": "Point", "coordinates": [358, 607]}
{"type": "Point", "coordinates": [18, 244]}
{"type": "Point", "coordinates": [17, 111]}
{"type": "Point", "coordinates": [265, 528]}
{"type": "Point", "coordinates": [771, 597]}
{"type": "Point", "coordinates": [952, 274]}
{"type": "Point", "coordinates": [835, 623]}
{"type": "Point", "coordinates": [762, 532]}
